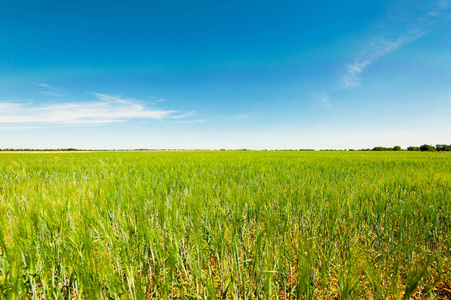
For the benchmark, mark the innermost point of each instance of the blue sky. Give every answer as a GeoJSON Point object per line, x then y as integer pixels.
{"type": "Point", "coordinates": [224, 74]}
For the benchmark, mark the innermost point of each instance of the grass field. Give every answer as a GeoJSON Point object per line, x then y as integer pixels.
{"type": "Point", "coordinates": [225, 224]}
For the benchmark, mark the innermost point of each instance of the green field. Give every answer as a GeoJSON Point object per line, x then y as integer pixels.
{"type": "Point", "coordinates": [225, 224]}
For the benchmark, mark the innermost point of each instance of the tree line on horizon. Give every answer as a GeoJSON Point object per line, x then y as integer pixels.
{"type": "Point", "coordinates": [424, 147]}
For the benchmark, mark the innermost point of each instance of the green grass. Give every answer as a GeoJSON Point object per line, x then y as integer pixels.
{"type": "Point", "coordinates": [232, 225]}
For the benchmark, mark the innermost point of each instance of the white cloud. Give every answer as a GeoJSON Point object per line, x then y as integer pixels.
{"type": "Point", "coordinates": [52, 94]}
{"type": "Point", "coordinates": [323, 101]}
{"type": "Point", "coordinates": [242, 116]}
{"type": "Point", "coordinates": [188, 114]}
{"type": "Point", "coordinates": [444, 4]}
{"type": "Point", "coordinates": [9, 106]}
{"type": "Point", "coordinates": [378, 48]}
{"type": "Point", "coordinates": [106, 109]}
{"type": "Point", "coordinates": [43, 85]}
{"type": "Point", "coordinates": [157, 101]}
{"type": "Point", "coordinates": [193, 121]}
{"type": "Point", "coordinates": [400, 32]}
{"type": "Point", "coordinates": [18, 127]}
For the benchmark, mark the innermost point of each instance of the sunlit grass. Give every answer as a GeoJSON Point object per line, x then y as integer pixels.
{"type": "Point", "coordinates": [241, 225]}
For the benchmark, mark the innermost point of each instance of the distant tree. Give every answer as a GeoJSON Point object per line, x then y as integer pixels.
{"type": "Point", "coordinates": [426, 147]}
{"type": "Point", "coordinates": [413, 148]}
{"type": "Point", "coordinates": [396, 148]}
{"type": "Point", "coordinates": [382, 149]}
{"type": "Point", "coordinates": [443, 147]}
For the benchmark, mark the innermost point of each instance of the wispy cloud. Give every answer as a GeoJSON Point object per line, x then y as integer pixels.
{"type": "Point", "coordinates": [323, 101]}
{"type": "Point", "coordinates": [398, 32]}
{"type": "Point", "coordinates": [188, 114]}
{"type": "Point", "coordinates": [105, 109]}
{"type": "Point", "coordinates": [51, 94]}
{"type": "Point", "coordinates": [48, 89]}
{"type": "Point", "coordinates": [18, 127]}
{"type": "Point", "coordinates": [444, 4]}
{"type": "Point", "coordinates": [46, 85]}
{"type": "Point", "coordinates": [193, 121]}
{"type": "Point", "coordinates": [157, 101]}
{"type": "Point", "coordinates": [378, 48]}
{"type": "Point", "coordinates": [242, 116]}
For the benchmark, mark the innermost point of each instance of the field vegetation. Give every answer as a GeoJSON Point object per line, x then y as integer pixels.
{"type": "Point", "coordinates": [225, 225]}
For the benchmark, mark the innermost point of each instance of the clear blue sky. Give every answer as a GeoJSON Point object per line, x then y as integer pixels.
{"type": "Point", "coordinates": [224, 74]}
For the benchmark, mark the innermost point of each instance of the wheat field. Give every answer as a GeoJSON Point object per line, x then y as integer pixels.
{"type": "Point", "coordinates": [225, 225]}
